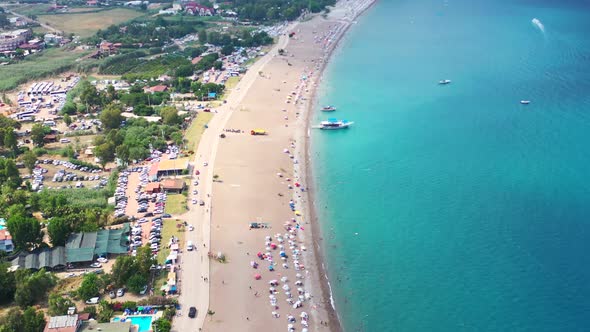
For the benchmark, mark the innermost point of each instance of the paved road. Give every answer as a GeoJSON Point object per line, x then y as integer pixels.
{"type": "Point", "coordinates": [50, 28]}
{"type": "Point", "coordinates": [195, 265]}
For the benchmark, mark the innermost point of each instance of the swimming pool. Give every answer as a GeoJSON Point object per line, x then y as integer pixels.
{"type": "Point", "coordinates": [144, 322]}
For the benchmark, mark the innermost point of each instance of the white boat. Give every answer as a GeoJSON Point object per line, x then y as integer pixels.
{"type": "Point", "coordinates": [328, 108]}
{"type": "Point", "coordinates": [525, 102]}
{"type": "Point", "coordinates": [443, 82]}
{"type": "Point", "coordinates": [335, 124]}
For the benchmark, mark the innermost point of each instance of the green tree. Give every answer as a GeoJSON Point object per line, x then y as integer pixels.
{"type": "Point", "coordinates": [32, 287]}
{"type": "Point", "coordinates": [123, 269]}
{"type": "Point", "coordinates": [122, 152]}
{"type": "Point", "coordinates": [25, 231]}
{"type": "Point", "coordinates": [4, 22]}
{"type": "Point", "coordinates": [34, 321]}
{"type": "Point", "coordinates": [7, 284]}
{"type": "Point", "coordinates": [184, 71]}
{"type": "Point", "coordinates": [10, 141]}
{"type": "Point", "coordinates": [203, 36]}
{"type": "Point", "coordinates": [136, 283]}
{"type": "Point", "coordinates": [69, 108]}
{"type": "Point", "coordinates": [105, 153]}
{"type": "Point", "coordinates": [9, 175]}
{"type": "Point", "coordinates": [67, 119]}
{"type": "Point", "coordinates": [58, 230]}
{"type": "Point", "coordinates": [144, 260]}
{"type": "Point", "coordinates": [227, 49]}
{"type": "Point", "coordinates": [89, 287]}
{"type": "Point", "coordinates": [111, 117]}
{"type": "Point", "coordinates": [58, 305]}
{"type": "Point", "coordinates": [89, 95]}
{"type": "Point", "coordinates": [12, 321]}
{"type": "Point", "coordinates": [170, 116]}
{"type": "Point", "coordinates": [38, 133]}
{"type": "Point", "coordinates": [29, 159]}
{"type": "Point", "coordinates": [162, 325]}
{"type": "Point", "coordinates": [105, 312]}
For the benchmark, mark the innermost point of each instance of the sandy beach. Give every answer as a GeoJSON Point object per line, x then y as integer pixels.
{"type": "Point", "coordinates": [262, 179]}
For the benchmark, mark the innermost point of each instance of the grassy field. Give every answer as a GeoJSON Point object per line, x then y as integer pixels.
{"type": "Point", "coordinates": [50, 62]}
{"type": "Point", "coordinates": [175, 204]}
{"type": "Point", "coordinates": [30, 9]}
{"type": "Point", "coordinates": [168, 231]}
{"type": "Point", "coordinates": [194, 132]}
{"type": "Point", "coordinates": [86, 24]}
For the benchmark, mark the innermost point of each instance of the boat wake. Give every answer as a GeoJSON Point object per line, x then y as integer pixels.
{"type": "Point", "coordinates": [536, 22]}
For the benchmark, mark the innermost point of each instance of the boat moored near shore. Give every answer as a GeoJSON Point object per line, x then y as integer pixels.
{"type": "Point", "coordinates": [525, 102]}
{"type": "Point", "coordinates": [331, 124]}
{"type": "Point", "coordinates": [444, 82]}
{"type": "Point", "coordinates": [328, 108]}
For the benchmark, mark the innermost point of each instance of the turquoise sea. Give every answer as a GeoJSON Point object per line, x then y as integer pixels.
{"type": "Point", "coordinates": [456, 208]}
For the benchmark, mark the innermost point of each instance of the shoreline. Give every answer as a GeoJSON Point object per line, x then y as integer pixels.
{"type": "Point", "coordinates": [248, 166]}
{"type": "Point", "coordinates": [317, 235]}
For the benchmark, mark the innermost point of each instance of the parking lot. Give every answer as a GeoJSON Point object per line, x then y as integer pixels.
{"type": "Point", "coordinates": [57, 173]}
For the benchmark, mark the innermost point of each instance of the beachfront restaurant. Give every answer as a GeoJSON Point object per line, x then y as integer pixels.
{"type": "Point", "coordinates": [172, 167]}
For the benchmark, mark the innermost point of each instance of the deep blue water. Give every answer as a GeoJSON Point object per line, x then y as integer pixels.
{"type": "Point", "coordinates": [456, 208]}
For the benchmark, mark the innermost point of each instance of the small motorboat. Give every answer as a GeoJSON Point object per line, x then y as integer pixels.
{"type": "Point", "coordinates": [328, 108]}
{"type": "Point", "coordinates": [443, 82]}
{"type": "Point", "coordinates": [525, 102]}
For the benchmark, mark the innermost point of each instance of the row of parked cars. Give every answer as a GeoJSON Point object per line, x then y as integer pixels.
{"type": "Point", "coordinates": [70, 165]}
{"type": "Point", "coordinates": [121, 194]}
{"type": "Point", "coordinates": [154, 238]}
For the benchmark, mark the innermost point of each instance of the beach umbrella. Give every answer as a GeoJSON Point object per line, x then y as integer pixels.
{"type": "Point", "coordinates": [307, 296]}
{"type": "Point", "coordinates": [288, 294]}
{"type": "Point", "coordinates": [298, 282]}
{"type": "Point", "coordinates": [303, 314]}
{"type": "Point", "coordinates": [304, 330]}
{"type": "Point", "coordinates": [257, 276]}
{"type": "Point", "coordinates": [300, 290]}
{"type": "Point", "coordinates": [271, 297]}
{"type": "Point", "coordinates": [298, 275]}
{"type": "Point", "coordinates": [301, 298]}
{"type": "Point", "coordinates": [275, 314]}
{"type": "Point", "coordinates": [273, 246]}
{"type": "Point", "coordinates": [285, 266]}
{"type": "Point", "coordinates": [286, 287]}
{"type": "Point", "coordinates": [284, 279]}
{"type": "Point", "coordinates": [290, 326]}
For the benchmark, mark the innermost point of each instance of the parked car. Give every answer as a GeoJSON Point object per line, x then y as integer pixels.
{"type": "Point", "coordinates": [112, 294]}
{"type": "Point", "coordinates": [189, 246]}
{"type": "Point", "coordinates": [96, 265]}
{"type": "Point", "coordinates": [120, 292]}
{"type": "Point", "coordinates": [190, 227]}
{"type": "Point", "coordinates": [102, 260]}
{"type": "Point", "coordinates": [93, 300]}
{"type": "Point", "coordinates": [166, 215]}
{"type": "Point", "coordinates": [192, 312]}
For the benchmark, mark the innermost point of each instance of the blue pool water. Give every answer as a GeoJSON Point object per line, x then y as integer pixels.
{"type": "Point", "coordinates": [144, 322]}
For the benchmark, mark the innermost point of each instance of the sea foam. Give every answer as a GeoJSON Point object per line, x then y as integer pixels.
{"type": "Point", "coordinates": [538, 24]}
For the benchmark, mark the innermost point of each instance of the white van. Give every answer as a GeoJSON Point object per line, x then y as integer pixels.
{"type": "Point", "coordinates": [189, 246]}
{"type": "Point", "coordinates": [64, 140]}
{"type": "Point", "coordinates": [49, 123]}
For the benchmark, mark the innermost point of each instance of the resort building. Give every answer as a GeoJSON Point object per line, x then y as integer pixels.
{"type": "Point", "coordinates": [173, 186]}
{"type": "Point", "coordinates": [80, 248]}
{"type": "Point", "coordinates": [6, 241]}
{"type": "Point", "coordinates": [84, 247]}
{"type": "Point", "coordinates": [10, 41]}
{"type": "Point", "coordinates": [172, 167]}
{"type": "Point", "coordinates": [194, 8]}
